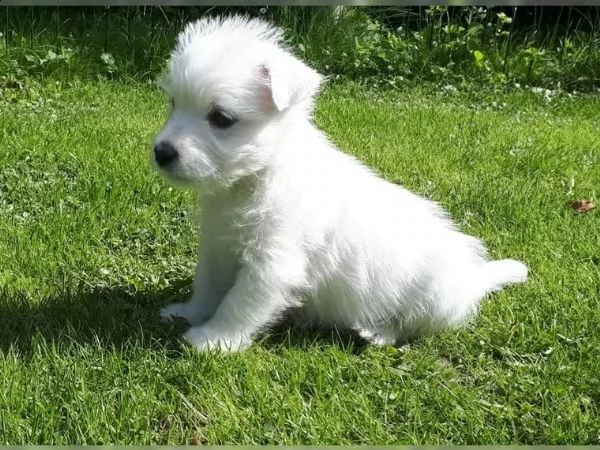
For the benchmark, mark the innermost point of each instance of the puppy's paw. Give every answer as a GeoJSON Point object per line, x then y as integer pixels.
{"type": "Point", "coordinates": [183, 310]}
{"type": "Point", "coordinates": [207, 338]}
{"type": "Point", "coordinates": [379, 338]}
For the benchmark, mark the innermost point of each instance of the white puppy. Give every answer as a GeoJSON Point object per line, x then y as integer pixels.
{"type": "Point", "coordinates": [288, 221]}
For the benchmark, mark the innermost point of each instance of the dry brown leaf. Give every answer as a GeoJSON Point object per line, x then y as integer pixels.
{"type": "Point", "coordinates": [581, 206]}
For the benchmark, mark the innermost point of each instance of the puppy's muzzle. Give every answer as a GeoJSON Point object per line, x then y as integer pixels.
{"type": "Point", "coordinates": [165, 153]}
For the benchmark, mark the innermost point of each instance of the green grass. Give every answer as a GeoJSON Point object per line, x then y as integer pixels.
{"type": "Point", "coordinates": [92, 243]}
{"type": "Point", "coordinates": [381, 46]}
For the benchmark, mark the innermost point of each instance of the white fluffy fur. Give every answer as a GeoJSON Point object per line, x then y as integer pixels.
{"type": "Point", "coordinates": [288, 221]}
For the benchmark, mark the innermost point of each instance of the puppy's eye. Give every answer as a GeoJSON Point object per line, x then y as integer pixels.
{"type": "Point", "coordinates": [220, 119]}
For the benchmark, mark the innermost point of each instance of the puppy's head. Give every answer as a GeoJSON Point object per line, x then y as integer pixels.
{"type": "Point", "coordinates": [231, 84]}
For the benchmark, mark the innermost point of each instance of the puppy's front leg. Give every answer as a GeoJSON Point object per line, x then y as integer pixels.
{"type": "Point", "coordinates": [214, 276]}
{"type": "Point", "coordinates": [259, 297]}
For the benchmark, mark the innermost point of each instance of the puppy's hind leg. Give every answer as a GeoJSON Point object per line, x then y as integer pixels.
{"type": "Point", "coordinates": [399, 331]}
{"type": "Point", "coordinates": [380, 337]}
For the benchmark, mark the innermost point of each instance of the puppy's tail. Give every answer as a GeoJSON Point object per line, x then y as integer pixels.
{"type": "Point", "coordinates": [495, 275]}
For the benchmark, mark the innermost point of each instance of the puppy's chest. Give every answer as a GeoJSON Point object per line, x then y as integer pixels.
{"type": "Point", "coordinates": [249, 225]}
{"type": "Point", "coordinates": [236, 233]}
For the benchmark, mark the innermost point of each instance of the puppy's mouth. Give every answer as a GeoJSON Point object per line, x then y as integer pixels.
{"type": "Point", "coordinates": [182, 165]}
{"type": "Point", "coordinates": [175, 173]}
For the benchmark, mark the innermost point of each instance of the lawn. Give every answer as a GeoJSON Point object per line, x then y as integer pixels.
{"type": "Point", "coordinates": [93, 242]}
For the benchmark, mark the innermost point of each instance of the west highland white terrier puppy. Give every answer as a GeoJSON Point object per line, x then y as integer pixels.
{"type": "Point", "coordinates": [290, 224]}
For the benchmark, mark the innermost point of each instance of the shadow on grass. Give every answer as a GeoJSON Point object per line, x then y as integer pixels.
{"type": "Point", "coordinates": [116, 318]}
{"type": "Point", "coordinates": [110, 317]}
{"type": "Point", "coordinates": [287, 334]}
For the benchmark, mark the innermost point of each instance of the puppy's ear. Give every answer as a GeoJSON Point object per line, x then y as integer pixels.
{"type": "Point", "coordinates": [290, 81]}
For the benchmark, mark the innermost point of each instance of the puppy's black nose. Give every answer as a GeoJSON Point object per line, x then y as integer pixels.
{"type": "Point", "coordinates": [165, 153]}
